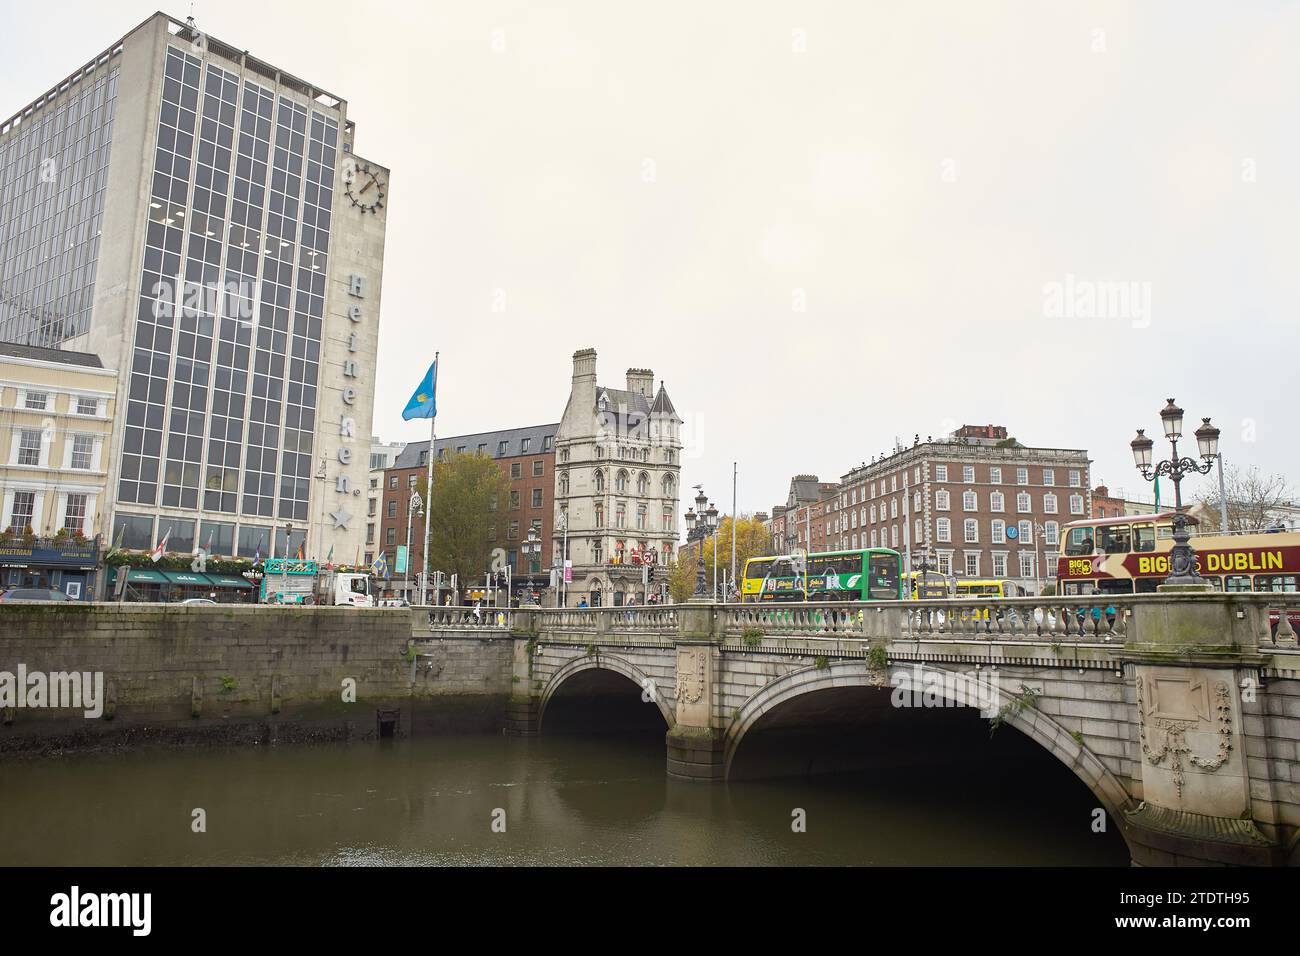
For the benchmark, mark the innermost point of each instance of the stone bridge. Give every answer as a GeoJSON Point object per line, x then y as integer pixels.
{"type": "Point", "coordinates": [1180, 712]}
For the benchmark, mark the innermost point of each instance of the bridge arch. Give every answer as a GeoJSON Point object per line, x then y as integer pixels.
{"type": "Point", "coordinates": [1031, 722]}
{"type": "Point", "coordinates": [606, 662]}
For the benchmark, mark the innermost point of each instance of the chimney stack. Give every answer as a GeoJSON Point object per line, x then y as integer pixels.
{"type": "Point", "coordinates": [641, 381]}
{"type": "Point", "coordinates": [584, 366]}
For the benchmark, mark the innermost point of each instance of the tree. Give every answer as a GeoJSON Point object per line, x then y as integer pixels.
{"type": "Point", "coordinates": [1253, 498]}
{"type": "Point", "coordinates": [470, 494]}
{"type": "Point", "coordinates": [681, 577]}
{"type": "Point", "coordinates": [752, 541]}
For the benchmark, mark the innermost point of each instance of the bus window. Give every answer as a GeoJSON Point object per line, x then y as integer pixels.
{"type": "Point", "coordinates": [1146, 585]}
{"type": "Point", "coordinates": [1115, 539]}
{"type": "Point", "coordinates": [1079, 542]}
{"type": "Point", "coordinates": [1164, 532]}
{"type": "Point", "coordinates": [1144, 537]}
{"type": "Point", "coordinates": [1236, 583]}
{"type": "Point", "coordinates": [1116, 586]}
{"type": "Point", "coordinates": [1214, 581]}
{"type": "Point", "coordinates": [1277, 583]}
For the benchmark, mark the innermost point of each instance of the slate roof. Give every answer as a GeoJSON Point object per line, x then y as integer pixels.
{"type": "Point", "coordinates": [513, 437]}
{"type": "Point", "coordinates": [42, 354]}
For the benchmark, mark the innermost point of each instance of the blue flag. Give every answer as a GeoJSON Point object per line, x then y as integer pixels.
{"type": "Point", "coordinates": [380, 568]}
{"type": "Point", "coordinates": [423, 403]}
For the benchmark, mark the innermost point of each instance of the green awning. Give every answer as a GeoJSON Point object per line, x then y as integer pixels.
{"type": "Point", "coordinates": [140, 576]}
{"type": "Point", "coordinates": [188, 578]}
{"type": "Point", "coordinates": [229, 581]}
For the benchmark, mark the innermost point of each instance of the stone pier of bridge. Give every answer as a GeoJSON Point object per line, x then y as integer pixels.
{"type": "Point", "coordinates": [1181, 713]}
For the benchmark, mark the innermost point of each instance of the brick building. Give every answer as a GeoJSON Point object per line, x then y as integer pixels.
{"type": "Point", "coordinates": [804, 522]}
{"type": "Point", "coordinates": [987, 505]}
{"type": "Point", "coordinates": [525, 455]}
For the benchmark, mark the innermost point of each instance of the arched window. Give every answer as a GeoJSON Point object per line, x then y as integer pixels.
{"type": "Point", "coordinates": [620, 483]}
{"type": "Point", "coordinates": [669, 486]}
{"type": "Point", "coordinates": [642, 483]}
{"type": "Point", "coordinates": [564, 483]}
{"type": "Point", "coordinates": [600, 480]}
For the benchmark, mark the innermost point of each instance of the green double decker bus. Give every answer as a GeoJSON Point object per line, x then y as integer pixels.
{"type": "Point", "coordinates": [870, 574]}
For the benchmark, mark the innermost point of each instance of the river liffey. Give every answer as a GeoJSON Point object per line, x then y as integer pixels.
{"type": "Point", "coordinates": [559, 801]}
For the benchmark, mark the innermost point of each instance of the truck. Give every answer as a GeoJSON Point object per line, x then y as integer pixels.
{"type": "Point", "coordinates": [296, 581]}
{"type": "Point", "coordinates": [344, 588]}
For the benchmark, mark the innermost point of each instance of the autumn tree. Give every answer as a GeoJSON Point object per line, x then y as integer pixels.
{"type": "Point", "coordinates": [752, 541]}
{"type": "Point", "coordinates": [681, 576]}
{"type": "Point", "coordinates": [1253, 498]}
{"type": "Point", "coordinates": [470, 494]}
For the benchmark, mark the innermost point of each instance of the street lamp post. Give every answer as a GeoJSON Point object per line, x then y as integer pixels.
{"type": "Point", "coordinates": [921, 562]}
{"type": "Point", "coordinates": [700, 521]}
{"type": "Point", "coordinates": [284, 565]}
{"type": "Point", "coordinates": [532, 550]}
{"type": "Point", "coordinates": [1182, 559]}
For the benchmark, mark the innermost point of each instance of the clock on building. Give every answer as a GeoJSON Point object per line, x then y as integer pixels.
{"type": "Point", "coordinates": [363, 186]}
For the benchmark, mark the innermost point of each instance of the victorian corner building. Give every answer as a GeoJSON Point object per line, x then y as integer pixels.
{"type": "Point", "coordinates": [199, 220]}
{"type": "Point", "coordinates": [617, 481]}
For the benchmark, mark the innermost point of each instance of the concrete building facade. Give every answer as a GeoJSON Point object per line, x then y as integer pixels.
{"type": "Point", "coordinates": [200, 220]}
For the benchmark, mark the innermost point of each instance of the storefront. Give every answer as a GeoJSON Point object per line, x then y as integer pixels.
{"type": "Point", "coordinates": [67, 566]}
{"type": "Point", "coordinates": [168, 587]}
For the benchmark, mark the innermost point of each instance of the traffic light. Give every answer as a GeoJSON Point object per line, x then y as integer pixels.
{"type": "Point", "coordinates": [652, 574]}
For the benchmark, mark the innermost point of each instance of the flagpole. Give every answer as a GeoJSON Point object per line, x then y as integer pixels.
{"type": "Point", "coordinates": [428, 488]}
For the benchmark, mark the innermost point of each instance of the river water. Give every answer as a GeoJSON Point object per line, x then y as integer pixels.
{"type": "Point", "coordinates": [561, 800]}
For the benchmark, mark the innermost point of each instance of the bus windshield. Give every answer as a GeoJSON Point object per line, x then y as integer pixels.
{"type": "Point", "coordinates": [883, 573]}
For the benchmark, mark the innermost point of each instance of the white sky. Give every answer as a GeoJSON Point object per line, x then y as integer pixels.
{"type": "Point", "coordinates": [919, 171]}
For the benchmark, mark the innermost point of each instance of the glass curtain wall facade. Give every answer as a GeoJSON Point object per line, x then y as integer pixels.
{"type": "Point", "coordinates": [53, 172]}
{"type": "Point", "coordinates": [225, 368]}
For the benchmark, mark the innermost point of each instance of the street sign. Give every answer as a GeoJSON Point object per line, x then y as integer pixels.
{"type": "Point", "coordinates": [568, 572]}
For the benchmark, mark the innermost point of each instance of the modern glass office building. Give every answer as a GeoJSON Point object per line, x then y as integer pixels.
{"type": "Point", "coordinates": [199, 219]}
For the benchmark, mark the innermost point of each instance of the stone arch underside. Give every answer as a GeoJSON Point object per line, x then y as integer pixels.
{"type": "Point", "coordinates": [1031, 722]}
{"type": "Point", "coordinates": [617, 665]}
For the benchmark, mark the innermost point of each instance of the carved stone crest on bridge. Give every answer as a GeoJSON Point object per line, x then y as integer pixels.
{"type": "Point", "coordinates": [694, 666]}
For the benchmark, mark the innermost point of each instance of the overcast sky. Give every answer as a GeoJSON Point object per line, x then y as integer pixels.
{"type": "Point", "coordinates": [824, 225]}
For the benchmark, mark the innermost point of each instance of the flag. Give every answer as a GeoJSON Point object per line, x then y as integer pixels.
{"type": "Point", "coordinates": [423, 403]}
{"type": "Point", "coordinates": [117, 545]}
{"type": "Point", "coordinates": [162, 547]}
{"type": "Point", "coordinates": [380, 568]}
{"type": "Point", "coordinates": [302, 552]}
{"type": "Point", "coordinates": [1157, 492]}
{"type": "Point", "coordinates": [257, 555]}
{"type": "Point", "coordinates": [208, 546]}
{"type": "Point", "coordinates": [329, 559]}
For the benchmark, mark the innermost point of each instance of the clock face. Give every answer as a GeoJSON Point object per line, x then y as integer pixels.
{"type": "Point", "coordinates": [363, 186]}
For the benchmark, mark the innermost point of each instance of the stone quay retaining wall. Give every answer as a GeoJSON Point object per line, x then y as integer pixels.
{"type": "Point", "coordinates": [243, 674]}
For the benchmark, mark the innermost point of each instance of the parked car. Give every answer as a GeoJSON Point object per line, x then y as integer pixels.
{"type": "Point", "coordinates": [33, 594]}
{"type": "Point", "coordinates": [198, 601]}
{"type": "Point", "coordinates": [394, 602]}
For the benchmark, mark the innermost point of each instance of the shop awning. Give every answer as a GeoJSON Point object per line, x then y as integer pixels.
{"type": "Point", "coordinates": [187, 578]}
{"type": "Point", "coordinates": [140, 576]}
{"type": "Point", "coordinates": [230, 581]}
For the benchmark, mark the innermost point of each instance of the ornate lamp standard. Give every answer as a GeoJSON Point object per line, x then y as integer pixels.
{"type": "Point", "coordinates": [921, 562]}
{"type": "Point", "coordinates": [532, 550]}
{"type": "Point", "coordinates": [700, 522]}
{"type": "Point", "coordinates": [1182, 559]}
